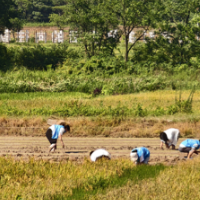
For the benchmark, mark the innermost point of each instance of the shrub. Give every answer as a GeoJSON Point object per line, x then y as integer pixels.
{"type": "Point", "coordinates": [39, 57]}
{"type": "Point", "coordinates": [6, 58]}
{"type": "Point", "coordinates": [181, 105]}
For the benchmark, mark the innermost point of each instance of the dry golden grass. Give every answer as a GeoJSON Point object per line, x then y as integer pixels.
{"type": "Point", "coordinates": [41, 180]}
{"type": "Point", "coordinates": [107, 126]}
{"type": "Point", "coordinates": [82, 126]}
{"type": "Point", "coordinates": [179, 182]}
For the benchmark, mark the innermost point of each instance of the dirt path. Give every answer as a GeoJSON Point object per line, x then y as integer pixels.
{"type": "Point", "coordinates": [77, 148]}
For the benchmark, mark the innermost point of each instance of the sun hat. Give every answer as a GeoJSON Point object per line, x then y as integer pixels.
{"type": "Point", "coordinates": [134, 156]}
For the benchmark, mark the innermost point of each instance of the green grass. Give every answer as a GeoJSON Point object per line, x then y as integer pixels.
{"type": "Point", "coordinates": [43, 95]}
{"type": "Point", "coordinates": [75, 104]}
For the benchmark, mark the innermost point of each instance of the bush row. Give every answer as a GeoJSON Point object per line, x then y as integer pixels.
{"type": "Point", "coordinates": [33, 58]}
{"type": "Point", "coordinates": [91, 85]}
{"type": "Point", "coordinates": [38, 57]}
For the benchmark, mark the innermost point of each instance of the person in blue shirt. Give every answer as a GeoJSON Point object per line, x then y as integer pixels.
{"type": "Point", "coordinates": [189, 146]}
{"type": "Point", "coordinates": [54, 132]}
{"type": "Point", "coordinates": [140, 155]}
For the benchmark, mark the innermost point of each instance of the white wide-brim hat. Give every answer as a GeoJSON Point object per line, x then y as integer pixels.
{"type": "Point", "coordinates": [134, 156]}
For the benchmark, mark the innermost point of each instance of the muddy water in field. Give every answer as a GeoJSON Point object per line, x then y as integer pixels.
{"type": "Point", "coordinates": [77, 148]}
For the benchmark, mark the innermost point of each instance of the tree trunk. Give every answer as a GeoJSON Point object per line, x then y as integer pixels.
{"type": "Point", "coordinates": [86, 52]}
{"type": "Point", "coordinates": [13, 32]}
{"type": "Point", "coordinates": [126, 48]}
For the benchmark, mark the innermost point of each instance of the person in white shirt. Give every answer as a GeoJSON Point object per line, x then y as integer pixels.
{"type": "Point", "coordinates": [53, 133]}
{"type": "Point", "coordinates": [99, 154]}
{"type": "Point", "coordinates": [169, 137]}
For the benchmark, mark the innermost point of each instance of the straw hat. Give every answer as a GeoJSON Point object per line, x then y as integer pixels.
{"type": "Point", "coordinates": [134, 156]}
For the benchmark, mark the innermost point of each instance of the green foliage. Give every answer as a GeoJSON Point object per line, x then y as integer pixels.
{"type": "Point", "coordinates": [41, 10]}
{"type": "Point", "coordinates": [176, 26]}
{"type": "Point", "coordinates": [7, 11]}
{"type": "Point", "coordinates": [140, 112]}
{"type": "Point", "coordinates": [6, 58]}
{"type": "Point", "coordinates": [131, 14]}
{"type": "Point", "coordinates": [98, 65]}
{"type": "Point", "coordinates": [57, 19]}
{"type": "Point", "coordinates": [17, 25]}
{"type": "Point", "coordinates": [92, 22]}
{"type": "Point", "coordinates": [39, 57]}
{"type": "Point", "coordinates": [180, 105]}
{"type": "Point", "coordinates": [177, 32]}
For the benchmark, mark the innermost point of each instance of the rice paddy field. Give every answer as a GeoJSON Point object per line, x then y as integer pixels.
{"type": "Point", "coordinates": [117, 123]}
{"type": "Point", "coordinates": [29, 172]}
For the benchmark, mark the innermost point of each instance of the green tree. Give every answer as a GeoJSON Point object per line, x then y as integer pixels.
{"type": "Point", "coordinates": [92, 22]}
{"type": "Point", "coordinates": [7, 11]}
{"type": "Point", "coordinates": [132, 14]}
{"type": "Point", "coordinates": [59, 6]}
{"type": "Point", "coordinates": [59, 20]}
{"type": "Point", "coordinates": [17, 25]}
{"type": "Point", "coordinates": [25, 7]}
{"type": "Point", "coordinates": [41, 10]}
{"type": "Point", "coordinates": [177, 33]}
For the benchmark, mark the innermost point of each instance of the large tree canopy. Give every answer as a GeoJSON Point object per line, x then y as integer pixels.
{"type": "Point", "coordinates": [177, 34]}
{"type": "Point", "coordinates": [7, 11]}
{"type": "Point", "coordinates": [132, 14]}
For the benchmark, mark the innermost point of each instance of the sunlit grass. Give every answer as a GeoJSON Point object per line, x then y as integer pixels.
{"type": "Point", "coordinates": [56, 101]}
{"type": "Point", "coordinates": [39, 179]}
{"type": "Point", "coordinates": [67, 180]}
{"type": "Point", "coordinates": [178, 182]}
{"type": "Point", "coordinates": [113, 115]}
{"type": "Point", "coordinates": [43, 95]}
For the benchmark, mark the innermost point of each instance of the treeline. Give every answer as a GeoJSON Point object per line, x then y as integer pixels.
{"type": "Point", "coordinates": [103, 27]}
{"type": "Point", "coordinates": [39, 10]}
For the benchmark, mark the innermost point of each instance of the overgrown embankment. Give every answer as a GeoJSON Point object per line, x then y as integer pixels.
{"type": "Point", "coordinates": [57, 81]}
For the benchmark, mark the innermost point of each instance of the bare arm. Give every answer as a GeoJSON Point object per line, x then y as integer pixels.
{"type": "Point", "coordinates": [161, 145]}
{"type": "Point", "coordinates": [190, 153]}
{"type": "Point", "coordinates": [61, 140]}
